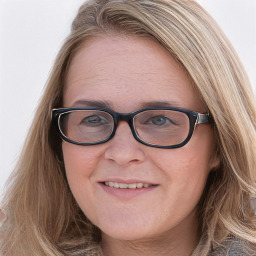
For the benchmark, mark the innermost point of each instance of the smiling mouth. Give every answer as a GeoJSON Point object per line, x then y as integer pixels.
{"type": "Point", "coordinates": [127, 186]}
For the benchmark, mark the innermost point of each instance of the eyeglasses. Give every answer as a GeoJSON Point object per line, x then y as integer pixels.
{"type": "Point", "coordinates": [161, 127]}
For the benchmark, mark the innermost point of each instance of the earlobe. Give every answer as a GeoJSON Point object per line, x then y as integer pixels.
{"type": "Point", "coordinates": [215, 161]}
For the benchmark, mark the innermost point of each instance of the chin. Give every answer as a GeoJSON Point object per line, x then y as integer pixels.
{"type": "Point", "coordinates": [129, 231]}
{"type": "Point", "coordinates": [126, 235]}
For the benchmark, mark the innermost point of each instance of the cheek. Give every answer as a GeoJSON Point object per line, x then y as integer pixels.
{"type": "Point", "coordinates": [80, 165]}
{"type": "Point", "coordinates": [79, 159]}
{"type": "Point", "coordinates": [188, 167]}
{"type": "Point", "coordinates": [187, 175]}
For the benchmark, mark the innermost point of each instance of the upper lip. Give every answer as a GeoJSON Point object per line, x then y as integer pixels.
{"type": "Point", "coordinates": [127, 181]}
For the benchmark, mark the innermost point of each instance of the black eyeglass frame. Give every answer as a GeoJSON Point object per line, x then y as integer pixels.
{"type": "Point", "coordinates": [194, 118]}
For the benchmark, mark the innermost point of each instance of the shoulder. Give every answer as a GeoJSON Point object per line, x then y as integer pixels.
{"type": "Point", "coordinates": [234, 247]}
{"type": "Point", "coordinates": [87, 249]}
{"type": "Point", "coordinates": [240, 248]}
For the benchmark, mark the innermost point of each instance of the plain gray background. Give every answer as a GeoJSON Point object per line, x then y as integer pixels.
{"type": "Point", "coordinates": [31, 33]}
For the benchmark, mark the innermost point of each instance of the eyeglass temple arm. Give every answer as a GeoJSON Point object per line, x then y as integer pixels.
{"type": "Point", "coordinates": [202, 118]}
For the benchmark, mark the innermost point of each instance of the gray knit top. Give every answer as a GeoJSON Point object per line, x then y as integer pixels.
{"type": "Point", "coordinates": [233, 247]}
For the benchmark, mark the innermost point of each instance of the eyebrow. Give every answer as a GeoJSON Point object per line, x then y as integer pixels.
{"type": "Point", "coordinates": [93, 103]}
{"type": "Point", "coordinates": [109, 105]}
{"type": "Point", "coordinates": [159, 104]}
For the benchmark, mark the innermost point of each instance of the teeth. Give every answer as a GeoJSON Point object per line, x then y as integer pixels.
{"type": "Point", "coordinates": [124, 185]}
{"type": "Point", "coordinates": [116, 185]}
{"type": "Point", "coordinates": [139, 185]}
{"type": "Point", "coordinates": [132, 186]}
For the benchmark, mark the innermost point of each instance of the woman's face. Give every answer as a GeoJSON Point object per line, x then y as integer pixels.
{"type": "Point", "coordinates": [127, 74]}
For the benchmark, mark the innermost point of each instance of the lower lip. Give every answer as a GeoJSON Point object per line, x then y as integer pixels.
{"type": "Point", "coordinates": [126, 193]}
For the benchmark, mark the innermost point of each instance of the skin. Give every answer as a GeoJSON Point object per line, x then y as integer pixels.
{"type": "Point", "coordinates": [131, 73]}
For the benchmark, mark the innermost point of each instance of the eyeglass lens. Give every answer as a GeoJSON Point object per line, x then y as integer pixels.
{"type": "Point", "coordinates": [162, 127]}
{"type": "Point", "coordinates": [158, 127]}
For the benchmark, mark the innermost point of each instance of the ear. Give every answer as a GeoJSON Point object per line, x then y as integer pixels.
{"type": "Point", "coordinates": [215, 161]}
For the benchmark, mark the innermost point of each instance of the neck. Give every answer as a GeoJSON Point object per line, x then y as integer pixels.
{"type": "Point", "coordinates": [178, 241]}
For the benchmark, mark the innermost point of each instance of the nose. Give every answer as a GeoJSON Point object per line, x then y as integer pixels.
{"type": "Point", "coordinates": [123, 149]}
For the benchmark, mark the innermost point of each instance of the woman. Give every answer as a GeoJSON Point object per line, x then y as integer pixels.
{"type": "Point", "coordinates": [143, 143]}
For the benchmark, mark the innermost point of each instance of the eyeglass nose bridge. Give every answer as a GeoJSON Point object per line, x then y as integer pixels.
{"type": "Point", "coordinates": [123, 117]}
{"type": "Point", "coordinates": [127, 118]}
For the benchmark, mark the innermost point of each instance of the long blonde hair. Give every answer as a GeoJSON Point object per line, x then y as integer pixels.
{"type": "Point", "coordinates": [43, 218]}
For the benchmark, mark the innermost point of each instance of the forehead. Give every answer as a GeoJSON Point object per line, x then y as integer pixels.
{"type": "Point", "coordinates": [126, 72]}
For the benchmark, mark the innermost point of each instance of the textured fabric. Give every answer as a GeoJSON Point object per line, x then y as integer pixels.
{"type": "Point", "coordinates": [234, 247]}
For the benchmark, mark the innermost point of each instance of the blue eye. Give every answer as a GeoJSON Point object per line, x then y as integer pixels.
{"type": "Point", "coordinates": [94, 120]}
{"type": "Point", "coordinates": [160, 120]}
